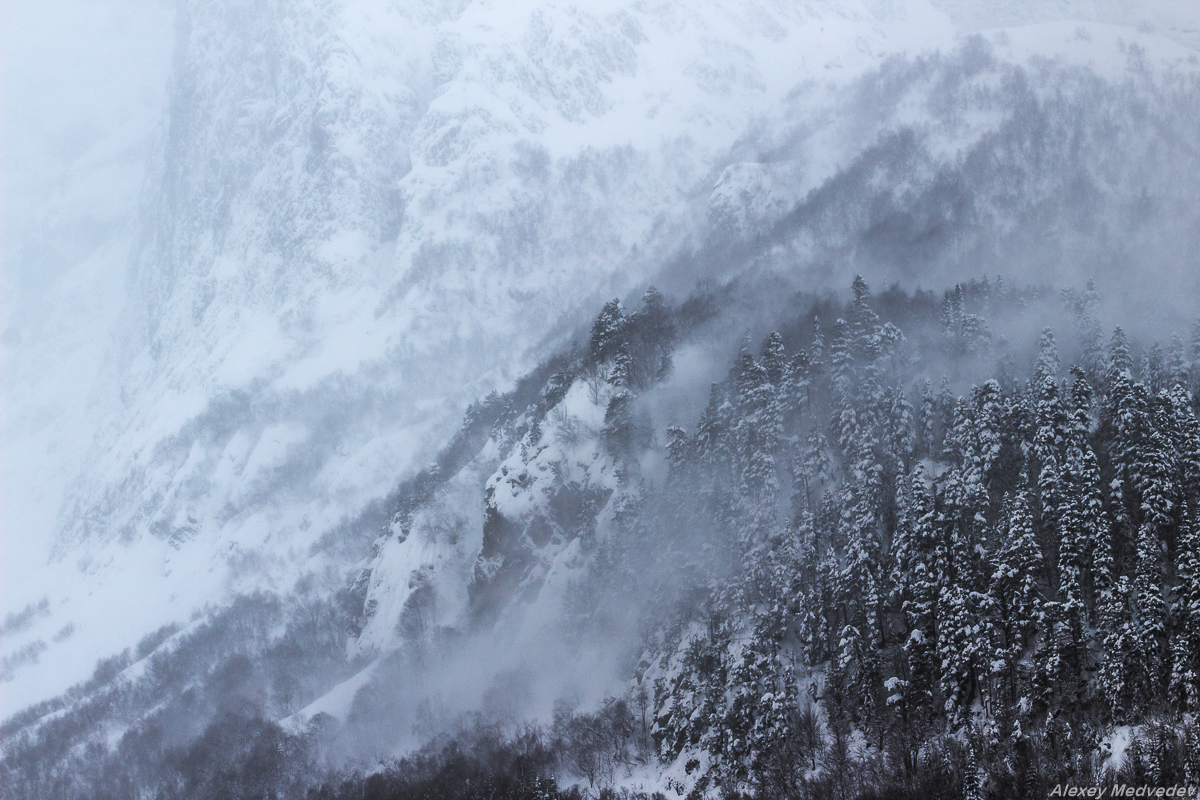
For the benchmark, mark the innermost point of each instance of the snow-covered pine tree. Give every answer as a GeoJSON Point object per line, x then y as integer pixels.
{"type": "Point", "coordinates": [1049, 446]}
{"type": "Point", "coordinates": [816, 348]}
{"type": "Point", "coordinates": [1185, 645]}
{"type": "Point", "coordinates": [1150, 618]}
{"type": "Point", "coordinates": [972, 776]}
{"type": "Point", "coordinates": [952, 314]}
{"type": "Point", "coordinates": [813, 473]}
{"type": "Point", "coordinates": [982, 439]}
{"type": "Point", "coordinates": [683, 478]}
{"type": "Point", "coordinates": [1073, 546]}
{"type": "Point", "coordinates": [1047, 365]}
{"type": "Point", "coordinates": [1115, 613]}
{"type": "Point", "coordinates": [1119, 359]}
{"type": "Point", "coordinates": [1086, 521]}
{"type": "Point", "coordinates": [1154, 371]}
{"type": "Point", "coordinates": [963, 644]}
{"type": "Point", "coordinates": [715, 456]}
{"type": "Point", "coordinates": [618, 429]}
{"type": "Point", "coordinates": [1185, 432]}
{"type": "Point", "coordinates": [649, 336]}
{"type": "Point", "coordinates": [965, 333]}
{"type": "Point", "coordinates": [796, 389]}
{"type": "Point", "coordinates": [844, 423]}
{"type": "Point", "coordinates": [1176, 367]}
{"type": "Point", "coordinates": [926, 433]}
{"type": "Point", "coordinates": [607, 332]}
{"type": "Point", "coordinates": [1017, 595]}
{"type": "Point", "coordinates": [774, 359]}
{"type": "Point", "coordinates": [757, 430]}
{"type": "Point", "coordinates": [1055, 682]}
{"type": "Point", "coordinates": [915, 582]}
{"type": "Point", "coordinates": [763, 693]}
{"type": "Point", "coordinates": [1093, 363]}
{"type": "Point", "coordinates": [946, 405]}
{"type": "Point", "coordinates": [899, 439]}
{"type": "Point", "coordinates": [864, 331]}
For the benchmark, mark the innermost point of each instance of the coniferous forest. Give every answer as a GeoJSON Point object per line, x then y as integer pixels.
{"type": "Point", "coordinates": [896, 555]}
{"type": "Point", "coordinates": [969, 591]}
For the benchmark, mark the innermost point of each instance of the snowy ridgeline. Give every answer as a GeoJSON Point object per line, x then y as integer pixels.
{"type": "Point", "coordinates": [895, 549]}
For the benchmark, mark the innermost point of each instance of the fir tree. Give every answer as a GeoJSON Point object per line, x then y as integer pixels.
{"type": "Point", "coordinates": [816, 348]}
{"type": "Point", "coordinates": [1154, 373]}
{"type": "Point", "coordinates": [618, 424]}
{"type": "Point", "coordinates": [1049, 443]}
{"type": "Point", "coordinates": [945, 404]}
{"type": "Point", "coordinates": [1119, 360]}
{"type": "Point", "coordinates": [1176, 367]}
{"type": "Point", "coordinates": [1149, 622]}
{"type": "Point", "coordinates": [952, 314]}
{"type": "Point", "coordinates": [1185, 650]}
{"type": "Point", "coordinates": [756, 432]}
{"type": "Point", "coordinates": [1093, 361]}
{"type": "Point", "coordinates": [1047, 360]}
{"type": "Point", "coordinates": [648, 342]}
{"type": "Point", "coordinates": [926, 433]}
{"type": "Point", "coordinates": [1115, 614]}
{"type": "Point", "coordinates": [863, 331]}
{"type": "Point", "coordinates": [845, 420]}
{"type": "Point", "coordinates": [607, 333]}
{"type": "Point", "coordinates": [1016, 593]}
{"type": "Point", "coordinates": [900, 441]}
{"type": "Point", "coordinates": [774, 359]}
{"type": "Point", "coordinates": [715, 454]}
{"type": "Point", "coordinates": [917, 579]}
{"type": "Point", "coordinates": [1194, 352]}
{"type": "Point", "coordinates": [963, 648]}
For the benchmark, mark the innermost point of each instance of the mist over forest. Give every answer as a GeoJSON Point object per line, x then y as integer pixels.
{"type": "Point", "coordinates": [733, 399]}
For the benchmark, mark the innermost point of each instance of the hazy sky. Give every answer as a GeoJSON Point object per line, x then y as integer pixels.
{"type": "Point", "coordinates": [75, 73]}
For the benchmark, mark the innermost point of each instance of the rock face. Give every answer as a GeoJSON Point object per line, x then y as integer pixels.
{"type": "Point", "coordinates": [361, 216]}
{"type": "Point", "coordinates": [513, 525]}
{"type": "Point", "coordinates": [364, 215]}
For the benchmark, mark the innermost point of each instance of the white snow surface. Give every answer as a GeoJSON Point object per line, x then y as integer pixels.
{"type": "Point", "coordinates": [1116, 744]}
{"type": "Point", "coordinates": [357, 217]}
{"type": "Point", "coordinates": [336, 702]}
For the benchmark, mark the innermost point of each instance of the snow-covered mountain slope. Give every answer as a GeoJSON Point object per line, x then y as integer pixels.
{"type": "Point", "coordinates": [363, 216]}
{"type": "Point", "coordinates": [1063, 169]}
{"type": "Point", "coordinates": [83, 88]}
{"type": "Point", "coordinates": [409, 195]}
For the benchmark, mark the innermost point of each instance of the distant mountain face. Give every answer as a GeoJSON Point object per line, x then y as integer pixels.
{"type": "Point", "coordinates": [364, 216]}
{"type": "Point", "coordinates": [360, 217]}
